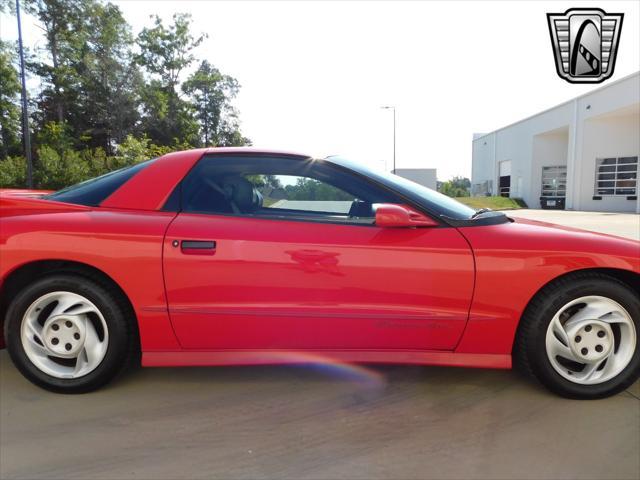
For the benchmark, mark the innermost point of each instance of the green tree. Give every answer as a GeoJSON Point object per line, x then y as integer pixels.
{"type": "Point", "coordinates": [7, 6]}
{"type": "Point", "coordinates": [89, 78]}
{"type": "Point", "coordinates": [133, 150]}
{"type": "Point", "coordinates": [63, 26]}
{"type": "Point", "coordinates": [13, 172]}
{"type": "Point", "coordinates": [212, 93]}
{"type": "Point", "coordinates": [9, 103]}
{"type": "Point", "coordinates": [456, 187]}
{"type": "Point", "coordinates": [310, 189]}
{"type": "Point", "coordinates": [265, 181]}
{"type": "Point", "coordinates": [108, 78]}
{"type": "Point", "coordinates": [165, 52]}
{"type": "Point", "coordinates": [98, 106]}
{"type": "Point", "coordinates": [56, 169]}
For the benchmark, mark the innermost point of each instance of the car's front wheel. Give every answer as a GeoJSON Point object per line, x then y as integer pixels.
{"type": "Point", "coordinates": [579, 336]}
{"type": "Point", "coordinates": [68, 333]}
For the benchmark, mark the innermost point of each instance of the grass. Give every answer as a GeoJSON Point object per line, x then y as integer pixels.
{"type": "Point", "coordinates": [494, 203]}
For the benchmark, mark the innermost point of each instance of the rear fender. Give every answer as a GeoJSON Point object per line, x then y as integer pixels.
{"type": "Point", "coordinates": [12, 205]}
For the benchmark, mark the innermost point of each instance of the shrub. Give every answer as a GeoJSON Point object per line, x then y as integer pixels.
{"type": "Point", "coordinates": [13, 172]}
{"type": "Point", "coordinates": [58, 170]}
{"type": "Point", "coordinates": [58, 165]}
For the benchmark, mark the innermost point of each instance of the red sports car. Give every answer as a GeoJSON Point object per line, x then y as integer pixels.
{"type": "Point", "coordinates": [238, 256]}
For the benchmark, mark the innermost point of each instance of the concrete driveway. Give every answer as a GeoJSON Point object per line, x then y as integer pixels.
{"type": "Point", "coordinates": [328, 422]}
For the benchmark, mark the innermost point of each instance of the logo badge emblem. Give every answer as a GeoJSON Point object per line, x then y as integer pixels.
{"type": "Point", "coordinates": [585, 43]}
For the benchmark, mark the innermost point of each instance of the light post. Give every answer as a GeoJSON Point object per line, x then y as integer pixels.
{"type": "Point", "coordinates": [25, 112]}
{"type": "Point", "coordinates": [391, 107]}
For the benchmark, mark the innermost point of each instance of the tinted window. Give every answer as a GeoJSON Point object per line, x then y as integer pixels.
{"type": "Point", "coordinates": [280, 187]}
{"type": "Point", "coordinates": [430, 200]}
{"type": "Point", "coordinates": [93, 192]}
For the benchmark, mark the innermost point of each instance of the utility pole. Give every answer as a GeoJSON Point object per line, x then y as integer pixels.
{"type": "Point", "coordinates": [394, 134]}
{"type": "Point", "coordinates": [26, 134]}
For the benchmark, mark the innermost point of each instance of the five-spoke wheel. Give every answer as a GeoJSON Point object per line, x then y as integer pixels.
{"type": "Point", "coordinates": [578, 336]}
{"type": "Point", "coordinates": [591, 340]}
{"type": "Point", "coordinates": [64, 334]}
{"type": "Point", "coordinates": [70, 333]}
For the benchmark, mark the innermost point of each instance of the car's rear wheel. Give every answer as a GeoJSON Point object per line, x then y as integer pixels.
{"type": "Point", "coordinates": [68, 333]}
{"type": "Point", "coordinates": [579, 336]}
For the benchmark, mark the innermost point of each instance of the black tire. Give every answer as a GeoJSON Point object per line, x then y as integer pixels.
{"type": "Point", "coordinates": [122, 346]}
{"type": "Point", "coordinates": [530, 349]}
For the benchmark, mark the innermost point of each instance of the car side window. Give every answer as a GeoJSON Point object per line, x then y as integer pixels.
{"type": "Point", "coordinates": [292, 193]}
{"type": "Point", "coordinates": [280, 187]}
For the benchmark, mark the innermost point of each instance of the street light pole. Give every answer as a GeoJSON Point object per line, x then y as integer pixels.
{"type": "Point", "coordinates": [25, 112]}
{"type": "Point", "coordinates": [390, 107]}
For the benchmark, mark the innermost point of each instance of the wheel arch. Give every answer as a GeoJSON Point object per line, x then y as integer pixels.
{"type": "Point", "coordinates": [628, 277]}
{"type": "Point", "coordinates": [20, 277]}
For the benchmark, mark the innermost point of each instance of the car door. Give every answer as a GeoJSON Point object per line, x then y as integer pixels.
{"type": "Point", "coordinates": [282, 253]}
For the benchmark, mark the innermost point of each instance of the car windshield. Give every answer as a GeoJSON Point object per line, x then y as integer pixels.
{"type": "Point", "coordinates": [94, 191]}
{"type": "Point", "coordinates": [431, 200]}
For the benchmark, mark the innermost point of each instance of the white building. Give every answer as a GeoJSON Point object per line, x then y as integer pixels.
{"type": "Point", "coordinates": [580, 155]}
{"type": "Point", "coordinates": [426, 177]}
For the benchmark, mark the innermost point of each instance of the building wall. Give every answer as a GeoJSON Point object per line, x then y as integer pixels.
{"type": "Point", "coordinates": [483, 167]}
{"type": "Point", "coordinates": [606, 120]}
{"type": "Point", "coordinates": [423, 176]}
{"type": "Point", "coordinates": [603, 123]}
{"type": "Point", "coordinates": [602, 138]}
{"type": "Point", "coordinates": [549, 149]}
{"type": "Point", "coordinates": [515, 143]}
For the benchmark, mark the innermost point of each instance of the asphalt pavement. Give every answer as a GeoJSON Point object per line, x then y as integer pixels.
{"type": "Point", "coordinates": [322, 422]}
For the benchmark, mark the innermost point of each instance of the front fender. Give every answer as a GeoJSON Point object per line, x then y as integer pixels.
{"type": "Point", "coordinates": [515, 260]}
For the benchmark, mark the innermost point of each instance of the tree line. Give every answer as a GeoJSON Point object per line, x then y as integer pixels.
{"type": "Point", "coordinates": [106, 98]}
{"type": "Point", "coordinates": [456, 187]}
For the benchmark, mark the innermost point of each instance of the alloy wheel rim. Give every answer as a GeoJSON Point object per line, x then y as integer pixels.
{"type": "Point", "coordinates": [64, 335]}
{"type": "Point", "coordinates": [590, 340]}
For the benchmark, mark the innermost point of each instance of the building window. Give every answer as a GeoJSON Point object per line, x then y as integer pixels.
{"type": "Point", "coordinates": [554, 181]}
{"type": "Point", "coordinates": [617, 176]}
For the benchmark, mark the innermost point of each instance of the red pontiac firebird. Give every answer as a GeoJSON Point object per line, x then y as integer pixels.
{"type": "Point", "coordinates": [232, 256]}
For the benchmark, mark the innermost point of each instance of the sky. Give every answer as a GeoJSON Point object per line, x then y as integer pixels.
{"type": "Point", "coordinates": [314, 74]}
